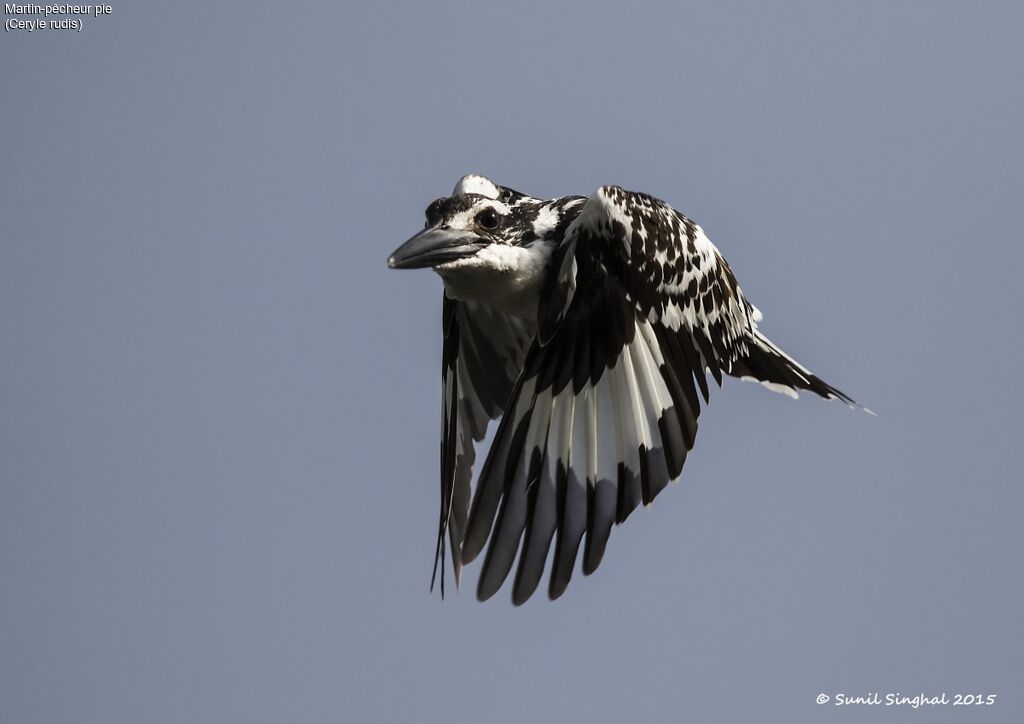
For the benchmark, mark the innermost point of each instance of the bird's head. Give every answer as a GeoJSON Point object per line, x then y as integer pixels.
{"type": "Point", "coordinates": [478, 215]}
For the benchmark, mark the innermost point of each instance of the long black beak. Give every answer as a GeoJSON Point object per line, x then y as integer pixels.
{"type": "Point", "coordinates": [431, 247]}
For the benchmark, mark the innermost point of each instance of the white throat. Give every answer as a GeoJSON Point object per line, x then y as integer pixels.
{"type": "Point", "coordinates": [503, 276]}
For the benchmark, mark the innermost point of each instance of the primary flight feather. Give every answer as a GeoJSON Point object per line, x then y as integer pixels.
{"type": "Point", "coordinates": [588, 325]}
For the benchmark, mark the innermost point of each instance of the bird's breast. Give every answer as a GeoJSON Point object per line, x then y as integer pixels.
{"type": "Point", "coordinates": [503, 276]}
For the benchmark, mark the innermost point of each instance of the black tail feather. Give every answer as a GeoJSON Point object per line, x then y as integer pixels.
{"type": "Point", "coordinates": [769, 365]}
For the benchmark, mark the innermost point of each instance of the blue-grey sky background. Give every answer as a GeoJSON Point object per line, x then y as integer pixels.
{"type": "Point", "coordinates": [219, 410]}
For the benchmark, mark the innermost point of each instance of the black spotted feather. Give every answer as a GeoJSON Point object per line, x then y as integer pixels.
{"type": "Point", "coordinates": [599, 397]}
{"type": "Point", "coordinates": [638, 308]}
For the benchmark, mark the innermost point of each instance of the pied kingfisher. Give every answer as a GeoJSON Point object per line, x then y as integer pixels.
{"type": "Point", "coordinates": [588, 325]}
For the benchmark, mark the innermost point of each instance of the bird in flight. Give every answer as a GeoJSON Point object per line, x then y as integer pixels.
{"type": "Point", "coordinates": [588, 325]}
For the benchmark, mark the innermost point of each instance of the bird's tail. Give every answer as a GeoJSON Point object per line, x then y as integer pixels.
{"type": "Point", "coordinates": [776, 370]}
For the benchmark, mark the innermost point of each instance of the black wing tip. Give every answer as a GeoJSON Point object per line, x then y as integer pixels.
{"type": "Point", "coordinates": [519, 597]}
{"type": "Point", "coordinates": [557, 589]}
{"type": "Point", "coordinates": [483, 594]}
{"type": "Point", "coordinates": [592, 558]}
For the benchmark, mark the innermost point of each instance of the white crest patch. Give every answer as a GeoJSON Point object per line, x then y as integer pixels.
{"type": "Point", "coordinates": [474, 184]}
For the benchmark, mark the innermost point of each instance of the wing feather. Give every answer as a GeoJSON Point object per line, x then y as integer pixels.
{"type": "Point", "coordinates": [573, 519]}
{"type": "Point", "coordinates": [639, 308]}
{"type": "Point", "coordinates": [483, 354]}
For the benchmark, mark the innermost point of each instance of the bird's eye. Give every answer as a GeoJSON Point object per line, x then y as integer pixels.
{"type": "Point", "coordinates": [487, 219]}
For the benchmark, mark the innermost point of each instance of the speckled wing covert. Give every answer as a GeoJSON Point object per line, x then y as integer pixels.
{"type": "Point", "coordinates": [482, 357]}
{"type": "Point", "coordinates": [640, 307]}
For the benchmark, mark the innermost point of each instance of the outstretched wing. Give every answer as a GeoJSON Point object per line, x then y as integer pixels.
{"type": "Point", "coordinates": [482, 357]}
{"type": "Point", "coordinates": [605, 412]}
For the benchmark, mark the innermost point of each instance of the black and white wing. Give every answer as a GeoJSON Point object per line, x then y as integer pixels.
{"type": "Point", "coordinates": [482, 357]}
{"type": "Point", "coordinates": [605, 412]}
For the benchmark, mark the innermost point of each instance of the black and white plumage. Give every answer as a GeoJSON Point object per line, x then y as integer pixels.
{"type": "Point", "coordinates": [588, 326]}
